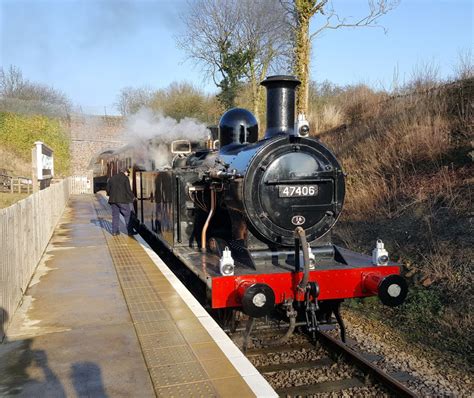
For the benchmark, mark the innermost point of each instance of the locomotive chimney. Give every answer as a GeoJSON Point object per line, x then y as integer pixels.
{"type": "Point", "coordinates": [280, 104]}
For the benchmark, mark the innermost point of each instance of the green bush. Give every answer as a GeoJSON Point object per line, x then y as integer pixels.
{"type": "Point", "coordinates": [19, 132]}
{"type": "Point", "coordinates": [423, 306]}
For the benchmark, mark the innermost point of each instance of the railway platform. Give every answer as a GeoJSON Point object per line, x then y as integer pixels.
{"type": "Point", "coordinates": [104, 317]}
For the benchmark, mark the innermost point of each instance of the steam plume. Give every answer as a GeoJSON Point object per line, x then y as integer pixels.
{"type": "Point", "coordinates": [150, 135]}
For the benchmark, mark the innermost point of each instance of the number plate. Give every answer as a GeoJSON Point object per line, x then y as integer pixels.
{"type": "Point", "coordinates": [291, 191]}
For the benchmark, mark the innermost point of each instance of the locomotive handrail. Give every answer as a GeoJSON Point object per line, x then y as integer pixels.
{"type": "Point", "coordinates": [298, 181]}
{"type": "Point", "coordinates": [208, 220]}
{"type": "Point", "coordinates": [300, 233]}
{"type": "Point", "coordinates": [328, 206]}
{"type": "Point", "coordinates": [220, 174]}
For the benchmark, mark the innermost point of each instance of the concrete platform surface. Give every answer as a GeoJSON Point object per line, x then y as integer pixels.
{"type": "Point", "coordinates": [73, 335]}
{"type": "Point", "coordinates": [105, 317]}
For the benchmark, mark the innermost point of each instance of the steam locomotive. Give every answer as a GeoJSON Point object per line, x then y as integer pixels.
{"type": "Point", "coordinates": [252, 219]}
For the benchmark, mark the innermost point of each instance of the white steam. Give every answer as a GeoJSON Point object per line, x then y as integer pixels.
{"type": "Point", "coordinates": [145, 124]}
{"type": "Point", "coordinates": [150, 135]}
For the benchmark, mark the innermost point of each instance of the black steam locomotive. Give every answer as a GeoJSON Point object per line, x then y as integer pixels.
{"type": "Point", "coordinates": [252, 219]}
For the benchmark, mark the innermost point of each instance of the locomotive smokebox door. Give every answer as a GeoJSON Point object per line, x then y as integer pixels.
{"type": "Point", "coordinates": [286, 186]}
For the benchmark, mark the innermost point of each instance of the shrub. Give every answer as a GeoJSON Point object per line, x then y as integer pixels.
{"type": "Point", "coordinates": [181, 100]}
{"type": "Point", "coordinates": [18, 134]}
{"type": "Point", "coordinates": [410, 183]}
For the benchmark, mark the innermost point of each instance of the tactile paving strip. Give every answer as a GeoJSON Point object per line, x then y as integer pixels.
{"type": "Point", "coordinates": [169, 355]}
{"type": "Point", "coordinates": [178, 373]}
{"type": "Point", "coordinates": [202, 389]}
{"type": "Point", "coordinates": [174, 368]}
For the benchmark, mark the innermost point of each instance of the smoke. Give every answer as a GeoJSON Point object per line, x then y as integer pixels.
{"type": "Point", "coordinates": [82, 23]}
{"type": "Point", "coordinates": [107, 22]}
{"type": "Point", "coordinates": [150, 135]}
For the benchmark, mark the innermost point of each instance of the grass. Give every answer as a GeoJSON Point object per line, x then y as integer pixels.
{"type": "Point", "coordinates": [410, 183]}
{"type": "Point", "coordinates": [8, 199]}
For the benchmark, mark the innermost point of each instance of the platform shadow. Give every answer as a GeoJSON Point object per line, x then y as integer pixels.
{"type": "Point", "coordinates": [25, 370]}
{"type": "Point", "coordinates": [87, 380]}
{"type": "Point", "coordinates": [3, 322]}
{"type": "Point", "coordinates": [104, 224]}
{"type": "Point", "coordinates": [107, 226]}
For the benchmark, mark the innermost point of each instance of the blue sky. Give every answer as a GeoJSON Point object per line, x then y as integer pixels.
{"type": "Point", "coordinates": [90, 49]}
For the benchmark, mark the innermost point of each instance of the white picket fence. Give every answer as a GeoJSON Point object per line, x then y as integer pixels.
{"type": "Point", "coordinates": [81, 184]}
{"type": "Point", "coordinates": [25, 230]}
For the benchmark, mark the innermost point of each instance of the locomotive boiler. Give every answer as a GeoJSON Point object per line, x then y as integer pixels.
{"type": "Point", "coordinates": [252, 219]}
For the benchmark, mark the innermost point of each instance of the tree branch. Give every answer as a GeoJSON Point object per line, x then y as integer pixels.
{"type": "Point", "coordinates": [381, 7]}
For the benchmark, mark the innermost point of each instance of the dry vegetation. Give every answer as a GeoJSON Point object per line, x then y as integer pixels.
{"type": "Point", "coordinates": [7, 199]}
{"type": "Point", "coordinates": [409, 161]}
{"type": "Point", "coordinates": [15, 165]}
{"type": "Point", "coordinates": [178, 100]}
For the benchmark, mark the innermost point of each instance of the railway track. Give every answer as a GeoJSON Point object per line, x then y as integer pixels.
{"type": "Point", "coordinates": [327, 368]}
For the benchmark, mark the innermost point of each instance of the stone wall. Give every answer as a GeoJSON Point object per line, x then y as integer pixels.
{"type": "Point", "coordinates": [91, 135]}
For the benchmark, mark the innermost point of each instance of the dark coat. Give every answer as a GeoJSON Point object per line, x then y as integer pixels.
{"type": "Point", "coordinates": [118, 189]}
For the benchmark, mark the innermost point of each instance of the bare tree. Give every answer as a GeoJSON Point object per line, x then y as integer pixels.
{"type": "Point", "coordinates": [11, 82]}
{"type": "Point", "coordinates": [233, 40]}
{"type": "Point", "coordinates": [178, 100]}
{"type": "Point", "coordinates": [13, 86]}
{"type": "Point", "coordinates": [130, 99]}
{"type": "Point", "coordinates": [182, 99]}
{"type": "Point", "coordinates": [209, 38]}
{"type": "Point", "coordinates": [265, 32]}
{"type": "Point", "coordinates": [302, 12]}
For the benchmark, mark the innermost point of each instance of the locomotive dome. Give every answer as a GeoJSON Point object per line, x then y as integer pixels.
{"type": "Point", "coordinates": [238, 126]}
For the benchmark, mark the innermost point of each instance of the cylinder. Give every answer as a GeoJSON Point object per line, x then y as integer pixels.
{"type": "Point", "coordinates": [281, 94]}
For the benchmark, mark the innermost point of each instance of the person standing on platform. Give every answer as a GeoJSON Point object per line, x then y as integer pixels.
{"type": "Point", "coordinates": [120, 197]}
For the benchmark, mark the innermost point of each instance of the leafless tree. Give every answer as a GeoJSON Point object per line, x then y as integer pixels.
{"type": "Point", "coordinates": [14, 87]}
{"type": "Point", "coordinates": [183, 99]}
{"type": "Point", "coordinates": [11, 82]}
{"type": "Point", "coordinates": [266, 34]}
{"type": "Point", "coordinates": [225, 35]}
{"type": "Point", "coordinates": [130, 99]}
{"type": "Point", "coordinates": [302, 12]}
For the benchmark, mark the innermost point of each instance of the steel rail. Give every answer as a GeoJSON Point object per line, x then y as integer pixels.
{"type": "Point", "coordinates": [399, 389]}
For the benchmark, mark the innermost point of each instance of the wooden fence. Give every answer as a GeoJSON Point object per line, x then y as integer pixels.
{"type": "Point", "coordinates": [81, 184]}
{"type": "Point", "coordinates": [9, 183]}
{"type": "Point", "coordinates": [25, 230]}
